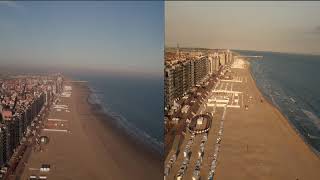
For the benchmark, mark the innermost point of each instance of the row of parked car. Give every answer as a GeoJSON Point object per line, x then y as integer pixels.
{"type": "Point", "coordinates": [196, 172]}
{"type": "Point", "coordinates": [169, 165]}
{"type": "Point", "coordinates": [187, 149]}
{"type": "Point", "coordinates": [216, 152]}
{"type": "Point", "coordinates": [186, 154]}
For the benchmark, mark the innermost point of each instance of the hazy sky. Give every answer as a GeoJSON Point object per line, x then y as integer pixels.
{"type": "Point", "coordinates": [94, 35]}
{"type": "Point", "coordinates": [269, 26]}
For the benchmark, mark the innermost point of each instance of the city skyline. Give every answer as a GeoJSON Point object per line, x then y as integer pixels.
{"type": "Point", "coordinates": [290, 27]}
{"type": "Point", "coordinates": [92, 36]}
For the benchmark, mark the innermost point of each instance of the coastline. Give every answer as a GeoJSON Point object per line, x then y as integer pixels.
{"type": "Point", "coordinates": [122, 125]}
{"type": "Point", "coordinates": [143, 156]}
{"type": "Point", "coordinates": [278, 109]}
{"type": "Point", "coordinates": [259, 143]}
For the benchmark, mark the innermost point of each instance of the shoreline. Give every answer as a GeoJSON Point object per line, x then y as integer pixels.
{"type": "Point", "coordinates": [278, 110]}
{"type": "Point", "coordinates": [98, 110]}
{"type": "Point", "coordinates": [143, 156]}
{"type": "Point", "coordinates": [151, 144]}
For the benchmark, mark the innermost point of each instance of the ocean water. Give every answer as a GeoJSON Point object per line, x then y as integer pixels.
{"type": "Point", "coordinates": [135, 102]}
{"type": "Point", "coordinates": [292, 83]}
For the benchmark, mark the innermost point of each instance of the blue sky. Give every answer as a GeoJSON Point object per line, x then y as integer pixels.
{"type": "Point", "coordinates": [99, 35]}
{"type": "Point", "coordinates": [267, 26]}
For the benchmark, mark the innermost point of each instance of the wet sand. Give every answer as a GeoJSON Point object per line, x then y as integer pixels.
{"type": "Point", "coordinates": [94, 148]}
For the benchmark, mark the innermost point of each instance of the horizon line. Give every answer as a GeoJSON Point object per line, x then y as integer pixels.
{"type": "Point", "coordinates": [231, 49]}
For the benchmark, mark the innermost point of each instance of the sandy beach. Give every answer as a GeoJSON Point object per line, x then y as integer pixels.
{"type": "Point", "coordinates": [261, 144]}
{"type": "Point", "coordinates": [93, 148]}
{"type": "Point", "coordinates": [257, 144]}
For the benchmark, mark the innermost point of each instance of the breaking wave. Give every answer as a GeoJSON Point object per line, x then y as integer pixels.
{"type": "Point", "coordinates": [123, 123]}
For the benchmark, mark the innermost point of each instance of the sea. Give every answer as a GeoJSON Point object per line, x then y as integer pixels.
{"type": "Point", "coordinates": [135, 102]}
{"type": "Point", "coordinates": [291, 82]}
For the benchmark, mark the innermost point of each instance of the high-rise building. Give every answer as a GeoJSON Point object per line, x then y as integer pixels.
{"type": "Point", "coordinates": [3, 146]}
{"type": "Point", "coordinates": [183, 74]}
{"type": "Point", "coordinates": [187, 69]}
{"type": "Point", "coordinates": [28, 116]}
{"type": "Point", "coordinates": [167, 87]}
{"type": "Point", "coordinates": [222, 57]}
{"type": "Point", "coordinates": [213, 64]}
{"type": "Point", "coordinates": [201, 69]}
{"type": "Point", "coordinates": [10, 139]}
{"type": "Point", "coordinates": [19, 123]}
{"type": "Point", "coordinates": [177, 80]}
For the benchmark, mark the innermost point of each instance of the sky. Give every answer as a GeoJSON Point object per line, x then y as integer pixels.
{"type": "Point", "coordinates": [95, 36]}
{"type": "Point", "coordinates": [292, 27]}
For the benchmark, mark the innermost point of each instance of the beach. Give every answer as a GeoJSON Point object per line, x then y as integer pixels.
{"type": "Point", "coordinates": [257, 143]}
{"type": "Point", "coordinates": [93, 147]}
